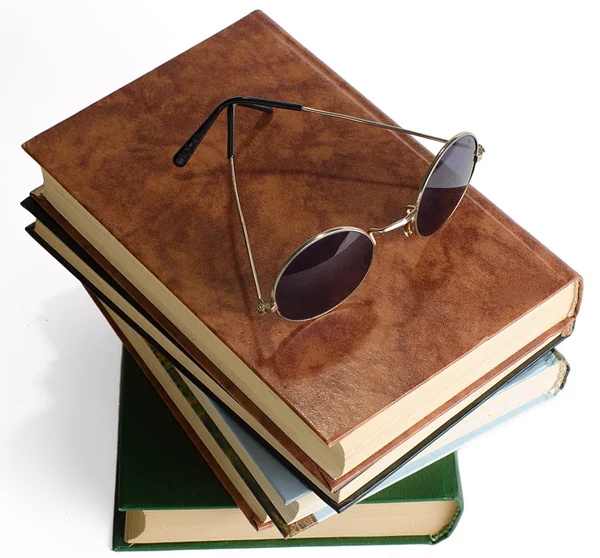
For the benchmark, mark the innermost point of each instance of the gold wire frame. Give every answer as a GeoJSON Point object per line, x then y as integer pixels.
{"type": "Point", "coordinates": [409, 223]}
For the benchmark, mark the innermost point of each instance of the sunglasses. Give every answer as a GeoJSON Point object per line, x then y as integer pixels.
{"type": "Point", "coordinates": [325, 270]}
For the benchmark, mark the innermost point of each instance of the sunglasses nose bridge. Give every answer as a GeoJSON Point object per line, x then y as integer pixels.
{"type": "Point", "coordinates": [406, 223]}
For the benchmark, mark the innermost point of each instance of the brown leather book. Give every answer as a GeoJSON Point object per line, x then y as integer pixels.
{"type": "Point", "coordinates": [436, 319]}
{"type": "Point", "coordinates": [338, 493]}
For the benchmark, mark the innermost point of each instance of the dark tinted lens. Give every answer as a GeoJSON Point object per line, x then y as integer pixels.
{"type": "Point", "coordinates": [446, 185]}
{"type": "Point", "coordinates": [323, 274]}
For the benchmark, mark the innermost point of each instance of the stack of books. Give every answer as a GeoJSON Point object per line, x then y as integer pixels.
{"type": "Point", "coordinates": [240, 429]}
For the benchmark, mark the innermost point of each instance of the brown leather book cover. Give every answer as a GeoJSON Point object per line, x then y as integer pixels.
{"type": "Point", "coordinates": [425, 303]}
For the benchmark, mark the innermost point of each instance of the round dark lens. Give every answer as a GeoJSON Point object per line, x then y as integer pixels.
{"type": "Point", "coordinates": [323, 274]}
{"type": "Point", "coordinates": [446, 185]}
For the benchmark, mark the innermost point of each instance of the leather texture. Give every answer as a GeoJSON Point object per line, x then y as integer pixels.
{"type": "Point", "coordinates": [425, 302]}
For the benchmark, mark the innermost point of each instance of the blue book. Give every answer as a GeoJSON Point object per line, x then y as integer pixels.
{"type": "Point", "coordinates": [271, 489]}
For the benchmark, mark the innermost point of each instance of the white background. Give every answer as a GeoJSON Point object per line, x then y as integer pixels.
{"type": "Point", "coordinates": [521, 75]}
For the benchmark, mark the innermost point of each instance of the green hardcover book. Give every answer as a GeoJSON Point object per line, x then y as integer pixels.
{"type": "Point", "coordinates": [169, 497]}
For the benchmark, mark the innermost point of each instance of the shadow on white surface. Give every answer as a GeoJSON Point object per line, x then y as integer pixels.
{"type": "Point", "coordinates": [70, 446]}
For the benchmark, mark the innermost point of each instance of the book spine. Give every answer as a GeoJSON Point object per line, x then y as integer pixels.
{"type": "Point", "coordinates": [565, 369]}
{"type": "Point", "coordinates": [449, 529]}
{"type": "Point", "coordinates": [457, 494]}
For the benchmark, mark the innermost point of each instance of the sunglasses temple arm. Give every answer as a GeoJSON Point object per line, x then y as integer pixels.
{"type": "Point", "coordinates": [184, 154]}
{"type": "Point", "coordinates": [263, 307]}
{"type": "Point", "coordinates": [373, 123]}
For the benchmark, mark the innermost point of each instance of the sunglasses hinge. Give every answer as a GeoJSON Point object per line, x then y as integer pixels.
{"type": "Point", "coordinates": [371, 234]}
{"type": "Point", "coordinates": [480, 152]}
{"type": "Point", "coordinates": [264, 308]}
{"type": "Point", "coordinates": [408, 229]}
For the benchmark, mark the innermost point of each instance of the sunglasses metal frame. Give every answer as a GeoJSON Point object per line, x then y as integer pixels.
{"type": "Point", "coordinates": [300, 249]}
{"type": "Point", "coordinates": [408, 223]}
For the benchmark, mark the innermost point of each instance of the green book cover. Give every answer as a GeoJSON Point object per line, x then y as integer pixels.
{"type": "Point", "coordinates": [159, 468]}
